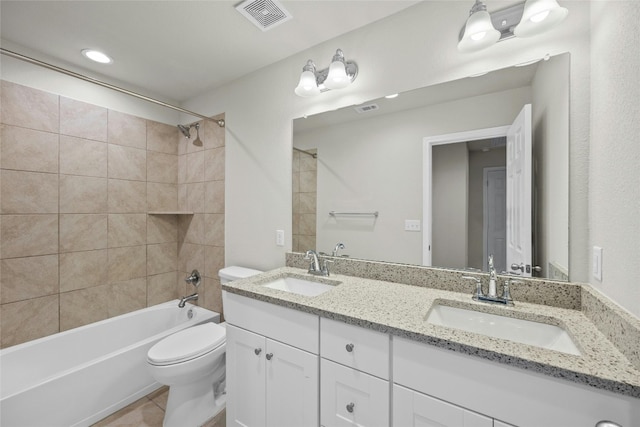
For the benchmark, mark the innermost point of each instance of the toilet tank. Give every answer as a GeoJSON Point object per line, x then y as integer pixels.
{"type": "Point", "coordinates": [229, 274]}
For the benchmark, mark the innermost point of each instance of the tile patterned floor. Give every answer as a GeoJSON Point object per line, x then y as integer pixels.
{"type": "Point", "coordinates": [149, 412]}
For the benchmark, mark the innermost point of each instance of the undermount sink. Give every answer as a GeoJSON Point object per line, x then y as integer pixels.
{"type": "Point", "coordinates": [300, 286]}
{"type": "Point", "coordinates": [523, 331]}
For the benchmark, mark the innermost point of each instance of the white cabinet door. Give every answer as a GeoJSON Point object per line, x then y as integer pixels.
{"type": "Point", "coordinates": [413, 409]}
{"type": "Point", "coordinates": [292, 386]}
{"type": "Point", "coordinates": [352, 398]}
{"type": "Point", "coordinates": [246, 389]}
{"type": "Point", "coordinates": [519, 164]}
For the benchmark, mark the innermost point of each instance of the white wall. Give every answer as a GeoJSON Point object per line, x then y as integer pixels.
{"type": "Point", "coordinates": [614, 187]}
{"type": "Point", "coordinates": [550, 91]}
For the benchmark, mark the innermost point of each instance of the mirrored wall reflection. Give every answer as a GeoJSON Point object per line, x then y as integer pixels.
{"type": "Point", "coordinates": [304, 199]}
{"type": "Point", "coordinates": [370, 159]}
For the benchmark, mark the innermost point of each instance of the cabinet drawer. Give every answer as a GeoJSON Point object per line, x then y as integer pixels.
{"type": "Point", "coordinates": [359, 348]}
{"type": "Point", "coordinates": [283, 324]}
{"type": "Point", "coordinates": [413, 409]}
{"type": "Point", "coordinates": [352, 398]}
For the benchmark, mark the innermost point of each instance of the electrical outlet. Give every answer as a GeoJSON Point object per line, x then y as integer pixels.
{"type": "Point", "coordinates": [411, 225]}
{"type": "Point", "coordinates": [279, 237]}
{"type": "Point", "coordinates": [597, 263]}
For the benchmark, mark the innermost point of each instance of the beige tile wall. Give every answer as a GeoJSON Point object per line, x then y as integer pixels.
{"type": "Point", "coordinates": [201, 190]}
{"type": "Point", "coordinates": [76, 242]}
{"type": "Point", "coordinates": [304, 201]}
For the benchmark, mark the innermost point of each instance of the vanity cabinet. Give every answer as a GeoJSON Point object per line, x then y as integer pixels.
{"type": "Point", "coordinates": [269, 383]}
{"type": "Point", "coordinates": [515, 396]}
{"type": "Point", "coordinates": [290, 368]}
{"type": "Point", "coordinates": [354, 389]}
{"type": "Point", "coordinates": [272, 365]}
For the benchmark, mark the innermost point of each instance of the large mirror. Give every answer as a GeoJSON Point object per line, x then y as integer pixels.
{"type": "Point", "coordinates": [421, 178]}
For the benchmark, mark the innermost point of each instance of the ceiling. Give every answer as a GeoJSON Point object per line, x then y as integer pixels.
{"type": "Point", "coordinates": [176, 49]}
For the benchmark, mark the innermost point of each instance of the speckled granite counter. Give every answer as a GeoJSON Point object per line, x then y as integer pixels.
{"type": "Point", "coordinates": [401, 310]}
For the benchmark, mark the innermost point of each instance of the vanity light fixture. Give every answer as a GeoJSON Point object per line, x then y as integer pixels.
{"type": "Point", "coordinates": [97, 56]}
{"type": "Point", "coordinates": [525, 19]}
{"type": "Point", "coordinates": [338, 75]}
{"type": "Point", "coordinates": [539, 16]}
{"type": "Point", "coordinates": [479, 32]}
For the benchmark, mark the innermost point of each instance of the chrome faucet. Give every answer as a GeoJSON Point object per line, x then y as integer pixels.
{"type": "Point", "coordinates": [314, 267]}
{"type": "Point", "coordinates": [337, 248]}
{"type": "Point", "coordinates": [492, 279]}
{"type": "Point", "coordinates": [184, 300]}
{"type": "Point", "coordinates": [192, 279]}
{"type": "Point", "coordinates": [492, 296]}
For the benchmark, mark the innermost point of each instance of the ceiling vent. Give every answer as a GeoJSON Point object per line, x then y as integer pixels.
{"type": "Point", "coordinates": [366, 108]}
{"type": "Point", "coordinates": [264, 14]}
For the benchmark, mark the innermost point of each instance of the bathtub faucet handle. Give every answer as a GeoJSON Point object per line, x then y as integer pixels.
{"type": "Point", "coordinates": [194, 278]}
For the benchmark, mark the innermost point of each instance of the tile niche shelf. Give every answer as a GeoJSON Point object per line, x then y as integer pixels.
{"type": "Point", "coordinates": [170, 213]}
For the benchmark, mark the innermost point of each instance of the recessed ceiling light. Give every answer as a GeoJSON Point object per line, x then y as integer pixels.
{"type": "Point", "coordinates": [97, 56]}
{"type": "Point", "coordinates": [395, 95]}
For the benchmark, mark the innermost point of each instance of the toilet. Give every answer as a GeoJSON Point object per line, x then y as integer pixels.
{"type": "Point", "coordinates": [192, 363]}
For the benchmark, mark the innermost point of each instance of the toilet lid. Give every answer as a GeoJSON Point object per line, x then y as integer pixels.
{"type": "Point", "coordinates": [187, 344]}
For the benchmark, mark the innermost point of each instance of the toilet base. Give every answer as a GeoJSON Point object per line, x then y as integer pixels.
{"type": "Point", "coordinates": [193, 404]}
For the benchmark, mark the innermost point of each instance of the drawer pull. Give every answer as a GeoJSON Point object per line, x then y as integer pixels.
{"type": "Point", "coordinates": [269, 356]}
{"type": "Point", "coordinates": [257, 351]}
{"type": "Point", "coordinates": [350, 407]}
{"type": "Point", "coordinates": [349, 347]}
{"type": "Point", "coordinates": [607, 424]}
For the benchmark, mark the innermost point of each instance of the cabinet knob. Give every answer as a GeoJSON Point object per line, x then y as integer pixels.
{"type": "Point", "coordinates": [269, 356]}
{"type": "Point", "coordinates": [257, 351]}
{"type": "Point", "coordinates": [604, 423]}
{"type": "Point", "coordinates": [350, 407]}
{"type": "Point", "coordinates": [349, 347]}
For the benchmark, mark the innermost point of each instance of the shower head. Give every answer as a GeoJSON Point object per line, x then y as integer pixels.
{"type": "Point", "coordinates": [197, 141]}
{"type": "Point", "coordinates": [185, 131]}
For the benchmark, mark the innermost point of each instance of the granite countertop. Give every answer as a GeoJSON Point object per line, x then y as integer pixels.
{"type": "Point", "coordinates": [401, 310]}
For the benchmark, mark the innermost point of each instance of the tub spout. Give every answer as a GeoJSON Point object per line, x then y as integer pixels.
{"type": "Point", "coordinates": [184, 300]}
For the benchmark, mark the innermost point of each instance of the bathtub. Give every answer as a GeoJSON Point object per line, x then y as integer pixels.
{"type": "Point", "coordinates": [77, 377]}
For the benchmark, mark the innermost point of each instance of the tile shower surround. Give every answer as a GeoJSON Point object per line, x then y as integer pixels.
{"type": "Point", "coordinates": [304, 201]}
{"type": "Point", "coordinates": [76, 243]}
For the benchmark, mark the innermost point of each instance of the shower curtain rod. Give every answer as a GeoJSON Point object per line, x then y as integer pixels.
{"type": "Point", "coordinates": [30, 60]}
{"type": "Point", "coordinates": [314, 155]}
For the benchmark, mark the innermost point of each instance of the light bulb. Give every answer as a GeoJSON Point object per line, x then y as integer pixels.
{"type": "Point", "coordinates": [337, 77]}
{"type": "Point", "coordinates": [479, 32]}
{"type": "Point", "coordinates": [539, 16]}
{"type": "Point", "coordinates": [307, 86]}
{"type": "Point", "coordinates": [97, 56]}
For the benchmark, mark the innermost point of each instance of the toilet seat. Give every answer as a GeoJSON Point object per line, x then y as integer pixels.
{"type": "Point", "coordinates": [187, 344]}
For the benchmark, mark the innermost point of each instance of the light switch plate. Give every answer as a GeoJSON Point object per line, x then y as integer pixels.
{"type": "Point", "coordinates": [597, 263]}
{"type": "Point", "coordinates": [412, 225]}
{"type": "Point", "coordinates": [279, 237]}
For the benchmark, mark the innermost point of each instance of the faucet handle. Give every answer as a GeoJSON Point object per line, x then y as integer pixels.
{"type": "Point", "coordinates": [325, 266]}
{"type": "Point", "coordinates": [194, 278]}
{"type": "Point", "coordinates": [506, 289]}
{"type": "Point", "coordinates": [478, 284]}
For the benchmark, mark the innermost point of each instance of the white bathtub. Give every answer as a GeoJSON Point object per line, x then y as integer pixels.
{"type": "Point", "coordinates": [77, 377]}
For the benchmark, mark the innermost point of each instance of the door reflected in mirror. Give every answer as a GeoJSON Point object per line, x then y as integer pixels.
{"type": "Point", "coordinates": [372, 159]}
